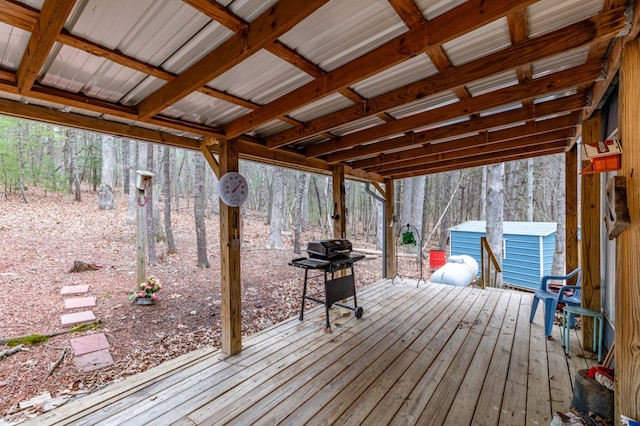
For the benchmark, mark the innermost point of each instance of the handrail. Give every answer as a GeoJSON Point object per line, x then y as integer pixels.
{"type": "Point", "coordinates": [486, 272]}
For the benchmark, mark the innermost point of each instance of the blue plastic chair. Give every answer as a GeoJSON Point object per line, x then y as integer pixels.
{"type": "Point", "coordinates": [567, 295]}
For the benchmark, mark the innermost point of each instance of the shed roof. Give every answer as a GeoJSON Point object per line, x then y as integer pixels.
{"type": "Point", "coordinates": [389, 88]}
{"type": "Point", "coordinates": [541, 229]}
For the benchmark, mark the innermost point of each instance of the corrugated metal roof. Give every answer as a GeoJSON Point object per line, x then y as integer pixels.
{"type": "Point", "coordinates": [560, 62]}
{"type": "Point", "coordinates": [476, 44]}
{"type": "Point", "coordinates": [326, 105]}
{"type": "Point", "coordinates": [415, 69]}
{"type": "Point", "coordinates": [13, 42]}
{"type": "Point", "coordinates": [549, 15]}
{"type": "Point", "coordinates": [341, 31]}
{"type": "Point", "coordinates": [514, 228]}
{"type": "Point", "coordinates": [423, 105]}
{"type": "Point", "coordinates": [434, 8]}
{"type": "Point", "coordinates": [249, 79]}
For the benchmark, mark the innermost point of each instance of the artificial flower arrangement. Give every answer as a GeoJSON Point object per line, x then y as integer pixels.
{"type": "Point", "coordinates": [148, 290]}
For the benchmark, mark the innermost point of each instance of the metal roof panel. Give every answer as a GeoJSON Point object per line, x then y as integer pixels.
{"type": "Point", "coordinates": [478, 43]}
{"type": "Point", "coordinates": [341, 31]}
{"type": "Point", "coordinates": [549, 15]}
{"type": "Point", "coordinates": [328, 104]}
{"type": "Point", "coordinates": [13, 42]}
{"type": "Point", "coordinates": [261, 78]}
{"type": "Point", "coordinates": [407, 72]}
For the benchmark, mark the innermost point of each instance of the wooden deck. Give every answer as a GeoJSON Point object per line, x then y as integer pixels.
{"type": "Point", "coordinates": [430, 355]}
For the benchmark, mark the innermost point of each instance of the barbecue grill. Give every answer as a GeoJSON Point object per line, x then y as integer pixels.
{"type": "Point", "coordinates": [329, 257]}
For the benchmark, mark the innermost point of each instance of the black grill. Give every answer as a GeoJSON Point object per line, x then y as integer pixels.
{"type": "Point", "coordinates": [330, 256]}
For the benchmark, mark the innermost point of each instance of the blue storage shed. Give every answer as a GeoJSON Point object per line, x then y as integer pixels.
{"type": "Point", "coordinates": [527, 247]}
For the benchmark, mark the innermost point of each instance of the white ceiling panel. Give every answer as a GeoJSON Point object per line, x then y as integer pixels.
{"type": "Point", "coordinates": [324, 106]}
{"type": "Point", "coordinates": [13, 42]}
{"type": "Point", "coordinates": [550, 15]}
{"type": "Point", "coordinates": [481, 42]}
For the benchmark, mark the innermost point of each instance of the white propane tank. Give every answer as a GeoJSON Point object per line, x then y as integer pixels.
{"type": "Point", "coordinates": [459, 270]}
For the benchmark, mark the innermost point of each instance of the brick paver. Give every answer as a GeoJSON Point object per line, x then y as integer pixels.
{"type": "Point", "coordinates": [74, 289]}
{"type": "Point", "coordinates": [78, 318]}
{"type": "Point", "coordinates": [87, 344]}
{"type": "Point", "coordinates": [79, 302]}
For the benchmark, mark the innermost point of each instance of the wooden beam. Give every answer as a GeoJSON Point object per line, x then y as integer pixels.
{"type": "Point", "coordinates": [389, 228]}
{"type": "Point", "coordinates": [571, 208]}
{"type": "Point", "coordinates": [473, 150]}
{"type": "Point", "coordinates": [460, 20]}
{"type": "Point", "coordinates": [527, 130]}
{"type": "Point", "coordinates": [590, 240]}
{"type": "Point", "coordinates": [524, 113]}
{"type": "Point", "coordinates": [548, 84]}
{"type": "Point", "coordinates": [627, 290]}
{"type": "Point", "coordinates": [52, 17]}
{"type": "Point", "coordinates": [270, 25]}
{"type": "Point", "coordinates": [479, 160]}
{"type": "Point", "coordinates": [52, 116]}
{"type": "Point", "coordinates": [205, 145]}
{"type": "Point", "coordinates": [573, 36]}
{"type": "Point", "coordinates": [339, 203]}
{"type": "Point", "coordinates": [230, 276]}
{"type": "Point", "coordinates": [219, 13]}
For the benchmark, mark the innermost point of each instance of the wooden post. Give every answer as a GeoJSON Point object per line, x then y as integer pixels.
{"type": "Point", "coordinates": [591, 224]}
{"type": "Point", "coordinates": [141, 238]}
{"type": "Point", "coordinates": [389, 229]}
{"type": "Point", "coordinates": [339, 203]}
{"type": "Point", "coordinates": [231, 309]}
{"type": "Point", "coordinates": [571, 209]}
{"type": "Point", "coordinates": [627, 297]}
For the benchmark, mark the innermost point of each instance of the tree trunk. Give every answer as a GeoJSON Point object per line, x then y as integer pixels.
{"type": "Point", "coordinates": [133, 166]}
{"type": "Point", "coordinates": [151, 235]}
{"type": "Point", "coordinates": [495, 213]}
{"type": "Point", "coordinates": [301, 183]}
{"type": "Point", "coordinates": [483, 195]}
{"type": "Point", "coordinates": [446, 215]}
{"type": "Point", "coordinates": [277, 207]}
{"type": "Point", "coordinates": [21, 133]}
{"type": "Point", "coordinates": [530, 184]}
{"type": "Point", "coordinates": [199, 203]}
{"type": "Point", "coordinates": [168, 229]}
{"type": "Point", "coordinates": [73, 165]}
{"type": "Point", "coordinates": [106, 200]}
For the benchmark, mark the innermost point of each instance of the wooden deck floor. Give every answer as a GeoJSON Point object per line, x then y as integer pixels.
{"type": "Point", "coordinates": [430, 355]}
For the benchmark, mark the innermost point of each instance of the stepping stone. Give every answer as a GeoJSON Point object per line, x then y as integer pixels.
{"type": "Point", "coordinates": [74, 289]}
{"type": "Point", "coordinates": [87, 344]}
{"type": "Point", "coordinates": [79, 302]}
{"type": "Point", "coordinates": [93, 361]}
{"type": "Point", "coordinates": [78, 318]}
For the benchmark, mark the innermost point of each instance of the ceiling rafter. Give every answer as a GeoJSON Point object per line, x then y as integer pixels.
{"type": "Point", "coordinates": [606, 25]}
{"type": "Point", "coordinates": [270, 25]}
{"type": "Point", "coordinates": [524, 113]}
{"type": "Point", "coordinates": [482, 160]}
{"type": "Point", "coordinates": [475, 148]}
{"type": "Point", "coordinates": [486, 137]}
{"type": "Point", "coordinates": [466, 17]}
{"type": "Point", "coordinates": [550, 83]}
{"type": "Point", "coordinates": [50, 21]}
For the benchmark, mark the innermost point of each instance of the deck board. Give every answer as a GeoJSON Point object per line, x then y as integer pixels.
{"type": "Point", "coordinates": [430, 355]}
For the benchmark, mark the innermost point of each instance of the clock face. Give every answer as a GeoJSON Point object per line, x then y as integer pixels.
{"type": "Point", "coordinates": [233, 189]}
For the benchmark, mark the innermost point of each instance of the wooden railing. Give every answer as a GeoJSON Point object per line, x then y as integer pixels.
{"type": "Point", "coordinates": [487, 261]}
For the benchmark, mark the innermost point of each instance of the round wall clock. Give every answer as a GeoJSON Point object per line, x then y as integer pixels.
{"type": "Point", "coordinates": [233, 189]}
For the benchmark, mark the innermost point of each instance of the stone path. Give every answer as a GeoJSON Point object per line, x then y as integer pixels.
{"type": "Point", "coordinates": [91, 352]}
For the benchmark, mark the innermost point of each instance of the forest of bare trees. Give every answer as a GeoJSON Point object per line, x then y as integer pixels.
{"type": "Point", "coordinates": [61, 159]}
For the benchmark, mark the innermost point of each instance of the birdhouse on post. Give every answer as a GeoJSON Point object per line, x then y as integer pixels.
{"type": "Point", "coordinates": [144, 179]}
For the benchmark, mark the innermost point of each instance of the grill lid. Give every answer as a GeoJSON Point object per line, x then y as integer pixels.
{"type": "Point", "coordinates": [329, 249]}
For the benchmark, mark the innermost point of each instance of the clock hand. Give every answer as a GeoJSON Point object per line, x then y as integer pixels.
{"type": "Point", "coordinates": [236, 188]}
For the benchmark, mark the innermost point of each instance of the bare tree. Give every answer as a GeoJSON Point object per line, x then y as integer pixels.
{"type": "Point", "coordinates": [149, 193]}
{"type": "Point", "coordinates": [277, 207]}
{"type": "Point", "coordinates": [199, 204]}
{"type": "Point", "coordinates": [21, 133]}
{"type": "Point", "coordinates": [495, 212]}
{"type": "Point", "coordinates": [106, 200]}
{"type": "Point", "coordinates": [133, 165]}
{"type": "Point", "coordinates": [166, 160]}
{"type": "Point", "coordinates": [74, 175]}
{"type": "Point", "coordinates": [301, 183]}
{"type": "Point", "coordinates": [530, 185]}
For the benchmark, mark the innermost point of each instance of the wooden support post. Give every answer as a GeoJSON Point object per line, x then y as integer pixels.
{"type": "Point", "coordinates": [389, 229]}
{"type": "Point", "coordinates": [627, 293]}
{"type": "Point", "coordinates": [141, 238]}
{"type": "Point", "coordinates": [571, 209]}
{"type": "Point", "coordinates": [591, 224]}
{"type": "Point", "coordinates": [339, 203]}
{"type": "Point", "coordinates": [230, 258]}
